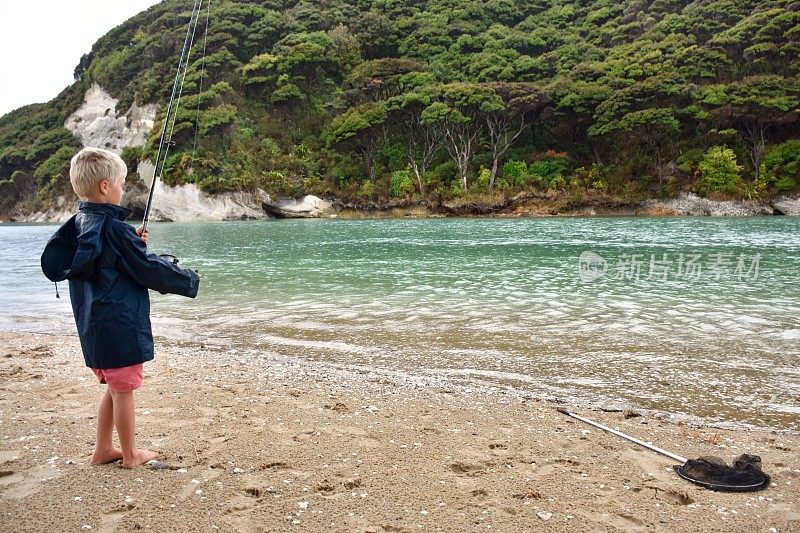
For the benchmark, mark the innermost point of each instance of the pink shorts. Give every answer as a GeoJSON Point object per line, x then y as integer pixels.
{"type": "Point", "coordinates": [125, 379]}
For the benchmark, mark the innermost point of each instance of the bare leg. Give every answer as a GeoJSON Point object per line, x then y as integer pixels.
{"type": "Point", "coordinates": [125, 422]}
{"type": "Point", "coordinates": [104, 451]}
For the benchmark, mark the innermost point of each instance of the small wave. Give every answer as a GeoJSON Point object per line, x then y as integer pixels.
{"type": "Point", "coordinates": [328, 345]}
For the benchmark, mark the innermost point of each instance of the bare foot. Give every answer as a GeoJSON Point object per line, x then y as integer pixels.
{"type": "Point", "coordinates": [106, 456]}
{"type": "Point", "coordinates": [139, 458]}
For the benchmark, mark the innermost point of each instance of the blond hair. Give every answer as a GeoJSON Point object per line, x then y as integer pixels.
{"type": "Point", "coordinates": [90, 166]}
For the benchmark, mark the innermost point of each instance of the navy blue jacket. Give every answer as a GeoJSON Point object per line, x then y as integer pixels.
{"type": "Point", "coordinates": [109, 271]}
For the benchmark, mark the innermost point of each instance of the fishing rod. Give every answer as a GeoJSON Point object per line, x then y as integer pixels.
{"type": "Point", "coordinates": [172, 108]}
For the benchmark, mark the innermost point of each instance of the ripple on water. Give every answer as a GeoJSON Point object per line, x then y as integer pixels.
{"type": "Point", "coordinates": [495, 301]}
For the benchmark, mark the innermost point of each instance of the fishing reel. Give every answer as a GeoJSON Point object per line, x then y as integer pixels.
{"type": "Point", "coordinates": [169, 258]}
{"type": "Point", "coordinates": [174, 261]}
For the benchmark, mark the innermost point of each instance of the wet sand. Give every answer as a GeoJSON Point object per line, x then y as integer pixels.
{"type": "Point", "coordinates": [284, 447]}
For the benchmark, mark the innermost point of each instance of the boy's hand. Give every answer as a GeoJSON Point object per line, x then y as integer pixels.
{"type": "Point", "coordinates": [143, 233]}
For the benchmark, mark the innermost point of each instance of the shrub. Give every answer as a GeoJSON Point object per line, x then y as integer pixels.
{"type": "Point", "coordinates": [558, 183]}
{"type": "Point", "coordinates": [275, 181]}
{"type": "Point", "coordinates": [719, 171]}
{"type": "Point", "coordinates": [781, 166]}
{"type": "Point", "coordinates": [671, 187]}
{"type": "Point", "coordinates": [549, 167]}
{"type": "Point", "coordinates": [441, 175]}
{"type": "Point", "coordinates": [515, 173]}
{"type": "Point", "coordinates": [367, 189]}
{"type": "Point", "coordinates": [393, 155]}
{"type": "Point", "coordinates": [54, 165]}
{"type": "Point", "coordinates": [689, 160]}
{"type": "Point", "coordinates": [132, 155]}
{"type": "Point", "coordinates": [270, 147]}
{"type": "Point", "coordinates": [592, 177]}
{"type": "Point", "coordinates": [482, 181]}
{"type": "Point", "coordinates": [401, 184]}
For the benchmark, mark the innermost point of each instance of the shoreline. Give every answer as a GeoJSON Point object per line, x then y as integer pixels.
{"type": "Point", "coordinates": [201, 207]}
{"type": "Point", "coordinates": [282, 447]}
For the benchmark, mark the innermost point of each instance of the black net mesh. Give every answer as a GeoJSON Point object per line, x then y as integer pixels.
{"type": "Point", "coordinates": [744, 475]}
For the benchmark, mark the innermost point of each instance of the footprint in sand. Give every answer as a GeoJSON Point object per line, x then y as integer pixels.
{"type": "Point", "coordinates": [632, 519]}
{"type": "Point", "coordinates": [648, 462]}
{"type": "Point", "coordinates": [389, 528]}
{"type": "Point", "coordinates": [110, 519]}
{"type": "Point", "coordinates": [305, 435]}
{"type": "Point", "coordinates": [530, 495]}
{"type": "Point", "coordinates": [37, 352]}
{"type": "Point", "coordinates": [617, 521]}
{"type": "Point", "coordinates": [28, 482]}
{"type": "Point", "coordinates": [277, 465]}
{"type": "Point", "coordinates": [669, 495]}
{"type": "Point", "coordinates": [467, 469]}
{"type": "Point", "coordinates": [331, 490]}
{"type": "Point", "coordinates": [338, 407]}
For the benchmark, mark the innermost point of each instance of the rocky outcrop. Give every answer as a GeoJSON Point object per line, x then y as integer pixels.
{"type": "Point", "coordinates": [97, 124]}
{"type": "Point", "coordinates": [692, 205]}
{"type": "Point", "coordinates": [61, 212]}
{"type": "Point", "coordinates": [307, 207]}
{"type": "Point", "coordinates": [784, 205]}
{"type": "Point", "coordinates": [187, 203]}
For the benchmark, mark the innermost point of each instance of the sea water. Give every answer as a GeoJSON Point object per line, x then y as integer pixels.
{"type": "Point", "coordinates": [691, 316]}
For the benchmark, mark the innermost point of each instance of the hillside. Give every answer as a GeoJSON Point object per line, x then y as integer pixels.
{"type": "Point", "coordinates": [443, 100]}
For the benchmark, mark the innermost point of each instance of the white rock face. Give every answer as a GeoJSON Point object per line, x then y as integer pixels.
{"type": "Point", "coordinates": [96, 122]}
{"type": "Point", "coordinates": [693, 205]}
{"type": "Point", "coordinates": [309, 206]}
{"type": "Point", "coordinates": [187, 203]}
{"type": "Point", "coordinates": [146, 170]}
{"type": "Point", "coordinates": [52, 215]}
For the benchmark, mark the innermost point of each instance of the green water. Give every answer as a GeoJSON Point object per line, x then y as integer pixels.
{"type": "Point", "coordinates": [492, 302]}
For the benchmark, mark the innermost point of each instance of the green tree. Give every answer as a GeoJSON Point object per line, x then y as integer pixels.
{"type": "Point", "coordinates": [422, 138]}
{"type": "Point", "coordinates": [459, 113]}
{"type": "Point", "coordinates": [505, 123]}
{"type": "Point", "coordinates": [361, 130]}
{"type": "Point", "coordinates": [753, 107]}
{"type": "Point", "coordinates": [781, 165]}
{"type": "Point", "coordinates": [719, 170]}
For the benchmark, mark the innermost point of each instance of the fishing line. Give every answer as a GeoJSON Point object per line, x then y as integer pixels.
{"type": "Point", "coordinates": [180, 93]}
{"type": "Point", "coordinates": [202, 78]}
{"type": "Point", "coordinates": [172, 108]}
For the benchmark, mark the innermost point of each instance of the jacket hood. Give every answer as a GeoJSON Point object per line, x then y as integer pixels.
{"type": "Point", "coordinates": [72, 251]}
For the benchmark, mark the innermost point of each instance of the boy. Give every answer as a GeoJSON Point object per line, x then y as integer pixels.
{"type": "Point", "coordinates": [109, 273]}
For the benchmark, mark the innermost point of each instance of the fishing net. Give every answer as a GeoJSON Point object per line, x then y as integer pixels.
{"type": "Point", "coordinates": [744, 475]}
{"type": "Point", "coordinates": [713, 473]}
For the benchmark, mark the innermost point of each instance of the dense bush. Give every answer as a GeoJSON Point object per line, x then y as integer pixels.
{"type": "Point", "coordinates": [515, 173]}
{"type": "Point", "coordinates": [781, 166]}
{"type": "Point", "coordinates": [550, 166]}
{"type": "Point", "coordinates": [401, 184]}
{"type": "Point", "coordinates": [720, 172]}
{"type": "Point", "coordinates": [56, 164]}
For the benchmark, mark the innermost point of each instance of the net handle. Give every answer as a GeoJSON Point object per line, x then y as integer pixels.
{"type": "Point", "coordinates": [624, 436]}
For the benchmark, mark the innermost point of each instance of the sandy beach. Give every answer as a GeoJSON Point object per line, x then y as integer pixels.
{"type": "Point", "coordinates": [281, 446]}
